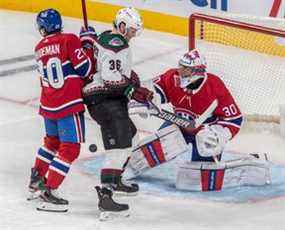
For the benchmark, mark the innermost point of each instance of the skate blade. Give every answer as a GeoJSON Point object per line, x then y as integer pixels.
{"type": "Point", "coordinates": [107, 215]}
{"type": "Point", "coordinates": [33, 195]}
{"type": "Point", "coordinates": [119, 193]}
{"type": "Point", "coordinates": [49, 207]}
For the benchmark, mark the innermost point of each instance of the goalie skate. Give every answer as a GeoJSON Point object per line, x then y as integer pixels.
{"type": "Point", "coordinates": [52, 202]}
{"type": "Point", "coordinates": [109, 209]}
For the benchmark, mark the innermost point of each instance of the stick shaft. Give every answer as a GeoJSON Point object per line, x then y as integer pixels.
{"type": "Point", "coordinates": [84, 12]}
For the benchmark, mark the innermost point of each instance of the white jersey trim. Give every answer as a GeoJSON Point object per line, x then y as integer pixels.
{"type": "Point", "coordinates": [80, 64]}
{"type": "Point", "coordinates": [228, 123]}
{"type": "Point", "coordinates": [62, 106]}
{"type": "Point", "coordinates": [161, 90]}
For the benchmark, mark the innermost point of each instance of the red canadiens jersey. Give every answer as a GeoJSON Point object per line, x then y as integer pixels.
{"type": "Point", "coordinates": [62, 64]}
{"type": "Point", "coordinates": [192, 103]}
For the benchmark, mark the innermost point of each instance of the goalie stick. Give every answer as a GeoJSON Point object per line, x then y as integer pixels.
{"type": "Point", "coordinates": [146, 155]}
{"type": "Point", "coordinates": [183, 122]}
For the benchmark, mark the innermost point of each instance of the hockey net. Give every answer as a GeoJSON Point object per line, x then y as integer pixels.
{"type": "Point", "coordinates": [248, 53]}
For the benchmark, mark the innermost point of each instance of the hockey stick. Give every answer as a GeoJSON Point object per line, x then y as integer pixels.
{"type": "Point", "coordinates": [183, 122]}
{"type": "Point", "coordinates": [171, 117]}
{"type": "Point", "coordinates": [84, 12]}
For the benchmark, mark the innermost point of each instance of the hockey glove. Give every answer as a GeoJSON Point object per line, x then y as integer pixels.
{"type": "Point", "coordinates": [87, 37]}
{"type": "Point", "coordinates": [140, 94]}
{"type": "Point", "coordinates": [134, 79]}
{"type": "Point", "coordinates": [211, 140]}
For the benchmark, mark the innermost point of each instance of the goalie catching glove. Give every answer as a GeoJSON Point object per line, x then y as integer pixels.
{"type": "Point", "coordinates": [211, 140]}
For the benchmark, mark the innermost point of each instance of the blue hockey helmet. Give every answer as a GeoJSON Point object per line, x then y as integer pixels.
{"type": "Point", "coordinates": [49, 21]}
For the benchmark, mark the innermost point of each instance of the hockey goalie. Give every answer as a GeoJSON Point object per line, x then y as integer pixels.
{"type": "Point", "coordinates": [201, 97]}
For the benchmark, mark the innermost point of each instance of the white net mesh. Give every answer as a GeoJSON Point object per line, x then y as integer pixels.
{"type": "Point", "coordinates": [251, 64]}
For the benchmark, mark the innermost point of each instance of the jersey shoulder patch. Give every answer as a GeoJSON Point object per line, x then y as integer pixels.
{"type": "Point", "coordinates": [114, 42]}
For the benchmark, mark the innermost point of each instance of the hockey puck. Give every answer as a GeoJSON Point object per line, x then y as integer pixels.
{"type": "Point", "coordinates": [92, 148]}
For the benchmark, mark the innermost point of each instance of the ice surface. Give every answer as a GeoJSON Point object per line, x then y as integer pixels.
{"type": "Point", "coordinates": [154, 208]}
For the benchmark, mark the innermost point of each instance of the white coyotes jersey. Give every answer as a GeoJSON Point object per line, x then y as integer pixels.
{"type": "Point", "coordinates": [114, 59]}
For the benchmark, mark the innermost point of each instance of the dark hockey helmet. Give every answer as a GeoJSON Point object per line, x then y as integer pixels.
{"type": "Point", "coordinates": [49, 21]}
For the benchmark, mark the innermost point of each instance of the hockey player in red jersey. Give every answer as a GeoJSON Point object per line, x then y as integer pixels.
{"type": "Point", "coordinates": [198, 95]}
{"type": "Point", "coordinates": [191, 90]}
{"type": "Point", "coordinates": [62, 64]}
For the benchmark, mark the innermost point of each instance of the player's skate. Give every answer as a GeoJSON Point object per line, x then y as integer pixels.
{"type": "Point", "coordinates": [125, 189]}
{"type": "Point", "coordinates": [52, 202]}
{"type": "Point", "coordinates": [108, 207]}
{"type": "Point", "coordinates": [36, 185]}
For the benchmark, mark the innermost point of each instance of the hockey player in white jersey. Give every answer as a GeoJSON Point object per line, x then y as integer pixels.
{"type": "Point", "coordinates": [107, 96]}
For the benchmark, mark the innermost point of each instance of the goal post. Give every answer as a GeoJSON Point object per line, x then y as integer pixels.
{"type": "Point", "coordinates": [248, 53]}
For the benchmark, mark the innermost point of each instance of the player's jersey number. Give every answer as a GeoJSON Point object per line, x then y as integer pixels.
{"type": "Point", "coordinates": [52, 74]}
{"type": "Point", "coordinates": [230, 110]}
{"type": "Point", "coordinates": [115, 65]}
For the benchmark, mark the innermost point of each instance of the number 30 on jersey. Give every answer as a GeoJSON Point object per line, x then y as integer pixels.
{"type": "Point", "coordinates": [230, 110]}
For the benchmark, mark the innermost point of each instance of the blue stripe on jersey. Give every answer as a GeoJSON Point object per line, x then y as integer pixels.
{"type": "Point", "coordinates": [68, 69]}
{"type": "Point", "coordinates": [83, 70]}
{"type": "Point", "coordinates": [45, 154]}
{"type": "Point", "coordinates": [210, 119]}
{"type": "Point", "coordinates": [161, 94]}
{"type": "Point", "coordinates": [45, 74]}
{"type": "Point", "coordinates": [236, 121]}
{"type": "Point", "coordinates": [60, 166]}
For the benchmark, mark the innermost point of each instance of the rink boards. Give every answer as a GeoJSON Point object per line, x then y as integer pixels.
{"type": "Point", "coordinates": [100, 12]}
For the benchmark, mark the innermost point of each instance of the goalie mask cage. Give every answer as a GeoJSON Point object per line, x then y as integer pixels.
{"type": "Point", "coordinates": [248, 53]}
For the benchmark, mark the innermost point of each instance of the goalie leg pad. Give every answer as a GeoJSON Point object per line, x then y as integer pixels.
{"type": "Point", "coordinates": [200, 176]}
{"type": "Point", "coordinates": [207, 176]}
{"type": "Point", "coordinates": [158, 148]}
